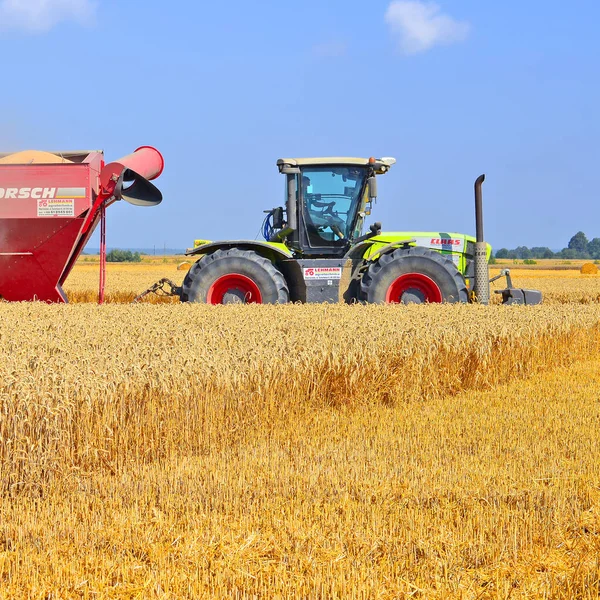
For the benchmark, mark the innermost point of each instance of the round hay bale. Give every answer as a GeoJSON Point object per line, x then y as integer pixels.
{"type": "Point", "coordinates": [589, 269]}
{"type": "Point", "coordinates": [32, 157]}
{"type": "Point", "coordinates": [184, 266]}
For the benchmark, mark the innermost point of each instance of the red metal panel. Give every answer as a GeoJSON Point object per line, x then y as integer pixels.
{"type": "Point", "coordinates": [23, 278]}
{"type": "Point", "coordinates": [33, 274]}
{"type": "Point", "coordinates": [32, 191]}
{"type": "Point", "coordinates": [41, 215]}
{"type": "Point", "coordinates": [34, 257]}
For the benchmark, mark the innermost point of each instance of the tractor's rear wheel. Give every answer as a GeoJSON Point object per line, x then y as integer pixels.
{"type": "Point", "coordinates": [413, 275]}
{"type": "Point", "coordinates": [235, 276]}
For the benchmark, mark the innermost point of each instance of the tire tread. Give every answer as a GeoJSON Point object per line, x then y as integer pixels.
{"type": "Point", "coordinates": [204, 265]}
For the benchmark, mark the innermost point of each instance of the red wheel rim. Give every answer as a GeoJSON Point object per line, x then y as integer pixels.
{"type": "Point", "coordinates": [234, 283]}
{"type": "Point", "coordinates": [415, 283]}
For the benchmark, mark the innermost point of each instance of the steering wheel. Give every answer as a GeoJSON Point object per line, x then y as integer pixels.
{"type": "Point", "coordinates": [329, 209]}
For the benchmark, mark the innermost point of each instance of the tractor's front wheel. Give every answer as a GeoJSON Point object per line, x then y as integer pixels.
{"type": "Point", "coordinates": [235, 276]}
{"type": "Point", "coordinates": [413, 275]}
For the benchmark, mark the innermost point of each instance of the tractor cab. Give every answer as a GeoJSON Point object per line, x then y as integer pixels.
{"type": "Point", "coordinates": [327, 200]}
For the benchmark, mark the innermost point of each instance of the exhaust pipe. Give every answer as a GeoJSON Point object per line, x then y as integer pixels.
{"type": "Point", "coordinates": [481, 285]}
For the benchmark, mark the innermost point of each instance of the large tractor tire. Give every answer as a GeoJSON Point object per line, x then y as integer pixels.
{"type": "Point", "coordinates": [413, 275]}
{"type": "Point", "coordinates": [234, 276]}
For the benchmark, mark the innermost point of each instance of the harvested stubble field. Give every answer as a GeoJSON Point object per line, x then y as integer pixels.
{"type": "Point", "coordinates": [558, 286]}
{"type": "Point", "coordinates": [186, 451]}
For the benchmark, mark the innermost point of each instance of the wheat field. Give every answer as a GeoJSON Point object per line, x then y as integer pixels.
{"type": "Point", "coordinates": [317, 451]}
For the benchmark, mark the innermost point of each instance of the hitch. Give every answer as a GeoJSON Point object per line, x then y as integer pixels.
{"type": "Point", "coordinates": [159, 289]}
{"type": "Point", "coordinates": [512, 295]}
{"type": "Point", "coordinates": [503, 273]}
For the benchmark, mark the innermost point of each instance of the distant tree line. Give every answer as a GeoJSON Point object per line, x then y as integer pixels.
{"type": "Point", "coordinates": [579, 247]}
{"type": "Point", "coordinates": [117, 255]}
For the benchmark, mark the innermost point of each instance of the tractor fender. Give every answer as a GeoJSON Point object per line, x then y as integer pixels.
{"type": "Point", "coordinates": [357, 252]}
{"type": "Point", "coordinates": [272, 251]}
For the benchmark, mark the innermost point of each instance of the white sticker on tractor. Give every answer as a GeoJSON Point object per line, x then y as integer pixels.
{"type": "Point", "coordinates": [56, 207]}
{"type": "Point", "coordinates": [323, 273]}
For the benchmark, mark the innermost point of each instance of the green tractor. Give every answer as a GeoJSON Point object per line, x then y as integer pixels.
{"type": "Point", "coordinates": [315, 249]}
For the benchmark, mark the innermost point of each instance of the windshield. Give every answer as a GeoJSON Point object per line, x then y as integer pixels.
{"type": "Point", "coordinates": [331, 199]}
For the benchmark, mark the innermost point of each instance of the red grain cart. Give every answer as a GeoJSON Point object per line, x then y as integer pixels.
{"type": "Point", "coordinates": [50, 204]}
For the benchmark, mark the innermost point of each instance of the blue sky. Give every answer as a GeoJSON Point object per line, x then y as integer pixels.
{"type": "Point", "coordinates": [451, 89]}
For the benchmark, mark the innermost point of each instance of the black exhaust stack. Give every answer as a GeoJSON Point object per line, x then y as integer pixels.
{"type": "Point", "coordinates": [481, 285]}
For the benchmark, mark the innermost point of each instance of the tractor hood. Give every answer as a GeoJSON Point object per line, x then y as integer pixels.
{"type": "Point", "coordinates": [442, 241]}
{"type": "Point", "coordinates": [437, 240]}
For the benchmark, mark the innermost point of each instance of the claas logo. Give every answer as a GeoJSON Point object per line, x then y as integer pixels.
{"type": "Point", "coordinates": [445, 242]}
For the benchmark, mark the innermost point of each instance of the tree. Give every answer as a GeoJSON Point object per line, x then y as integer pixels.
{"type": "Point", "coordinates": [578, 242]}
{"type": "Point", "coordinates": [522, 252]}
{"type": "Point", "coordinates": [594, 248]}
{"type": "Point", "coordinates": [569, 253]}
{"type": "Point", "coordinates": [541, 252]}
{"type": "Point", "coordinates": [502, 253]}
{"type": "Point", "coordinates": [117, 255]}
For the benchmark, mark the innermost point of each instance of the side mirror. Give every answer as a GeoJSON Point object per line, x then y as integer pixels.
{"type": "Point", "coordinates": [278, 217]}
{"type": "Point", "coordinates": [372, 182]}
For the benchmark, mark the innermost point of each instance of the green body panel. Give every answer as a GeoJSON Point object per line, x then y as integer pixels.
{"type": "Point", "coordinates": [281, 247]}
{"type": "Point", "coordinates": [454, 245]}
